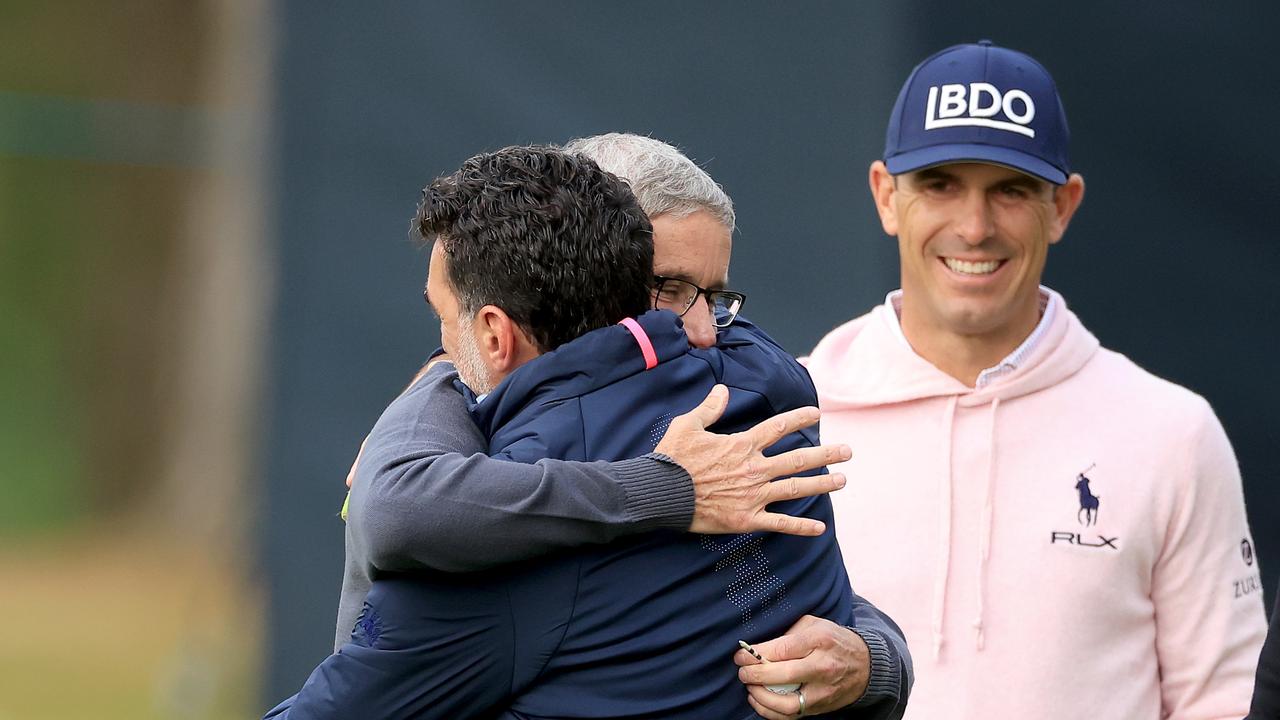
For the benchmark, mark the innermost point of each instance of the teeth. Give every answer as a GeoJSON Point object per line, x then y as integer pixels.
{"type": "Point", "coordinates": [972, 268]}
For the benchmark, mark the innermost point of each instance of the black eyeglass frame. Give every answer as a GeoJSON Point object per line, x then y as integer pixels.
{"type": "Point", "coordinates": [733, 306]}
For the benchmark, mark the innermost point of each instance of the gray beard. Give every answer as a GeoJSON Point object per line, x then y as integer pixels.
{"type": "Point", "coordinates": [471, 369]}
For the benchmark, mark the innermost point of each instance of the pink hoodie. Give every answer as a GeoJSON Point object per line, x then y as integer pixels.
{"type": "Point", "coordinates": [1024, 591]}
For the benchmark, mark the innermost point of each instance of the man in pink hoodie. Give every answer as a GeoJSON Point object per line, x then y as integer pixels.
{"type": "Point", "coordinates": [1059, 533]}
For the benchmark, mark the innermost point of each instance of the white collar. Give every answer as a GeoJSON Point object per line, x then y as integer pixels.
{"type": "Point", "coordinates": [1011, 362]}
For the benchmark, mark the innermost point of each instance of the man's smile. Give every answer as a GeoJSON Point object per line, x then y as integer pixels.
{"type": "Point", "coordinates": [972, 267]}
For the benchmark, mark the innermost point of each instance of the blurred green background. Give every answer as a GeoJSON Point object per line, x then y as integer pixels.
{"type": "Point", "coordinates": [127, 593]}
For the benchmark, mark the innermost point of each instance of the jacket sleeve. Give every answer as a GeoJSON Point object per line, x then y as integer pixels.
{"type": "Point", "coordinates": [1205, 587]}
{"type": "Point", "coordinates": [425, 646]}
{"type": "Point", "coordinates": [425, 492]}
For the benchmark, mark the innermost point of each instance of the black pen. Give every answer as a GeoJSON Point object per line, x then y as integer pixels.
{"type": "Point", "coordinates": [786, 689]}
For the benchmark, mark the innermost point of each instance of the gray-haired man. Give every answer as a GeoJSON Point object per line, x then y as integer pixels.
{"type": "Point", "coordinates": [454, 495]}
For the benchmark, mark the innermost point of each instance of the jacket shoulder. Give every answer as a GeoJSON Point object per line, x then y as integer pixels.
{"type": "Point", "coordinates": [754, 362]}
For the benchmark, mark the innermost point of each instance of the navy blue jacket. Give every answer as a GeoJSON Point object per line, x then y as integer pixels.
{"type": "Point", "coordinates": [643, 627]}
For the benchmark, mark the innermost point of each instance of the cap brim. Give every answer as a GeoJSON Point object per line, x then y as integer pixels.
{"type": "Point", "coordinates": [945, 154]}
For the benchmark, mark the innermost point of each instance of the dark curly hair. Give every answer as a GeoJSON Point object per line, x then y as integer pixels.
{"type": "Point", "coordinates": [559, 244]}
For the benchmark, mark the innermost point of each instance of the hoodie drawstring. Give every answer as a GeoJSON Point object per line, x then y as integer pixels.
{"type": "Point", "coordinates": [947, 482]}
{"type": "Point", "coordinates": [944, 537]}
{"type": "Point", "coordinates": [984, 540]}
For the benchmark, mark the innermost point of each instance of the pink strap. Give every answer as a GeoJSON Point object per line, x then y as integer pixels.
{"type": "Point", "coordinates": [642, 339]}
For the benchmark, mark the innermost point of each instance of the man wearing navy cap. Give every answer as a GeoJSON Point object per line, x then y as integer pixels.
{"type": "Point", "coordinates": [1059, 533]}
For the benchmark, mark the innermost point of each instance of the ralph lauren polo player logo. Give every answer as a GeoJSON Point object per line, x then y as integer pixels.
{"type": "Point", "coordinates": [1087, 516]}
{"type": "Point", "coordinates": [977, 105]}
{"type": "Point", "coordinates": [1088, 501]}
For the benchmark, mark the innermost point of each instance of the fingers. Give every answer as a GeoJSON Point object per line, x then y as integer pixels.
{"type": "Point", "coordinates": [799, 460]}
{"type": "Point", "coordinates": [351, 474]}
{"type": "Point", "coordinates": [794, 488]}
{"type": "Point", "coordinates": [786, 525]}
{"type": "Point", "coordinates": [773, 706]}
{"type": "Point", "coordinates": [442, 357]}
{"type": "Point", "coordinates": [779, 426]}
{"type": "Point", "coordinates": [794, 645]}
{"type": "Point", "coordinates": [756, 519]}
{"type": "Point", "coordinates": [711, 409]}
{"type": "Point", "coordinates": [776, 673]}
{"type": "Point", "coordinates": [791, 489]}
{"type": "Point", "coordinates": [830, 662]}
{"type": "Point", "coordinates": [798, 657]}
{"type": "Point", "coordinates": [707, 411]}
{"type": "Point", "coordinates": [742, 658]}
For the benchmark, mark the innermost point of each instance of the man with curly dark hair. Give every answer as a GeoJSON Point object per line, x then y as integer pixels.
{"type": "Point", "coordinates": [540, 260]}
{"type": "Point", "coordinates": [512, 226]}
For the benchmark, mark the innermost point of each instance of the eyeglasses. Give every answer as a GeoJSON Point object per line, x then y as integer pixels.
{"type": "Point", "coordinates": [680, 295]}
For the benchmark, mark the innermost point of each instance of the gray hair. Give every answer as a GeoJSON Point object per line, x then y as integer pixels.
{"type": "Point", "coordinates": [662, 178]}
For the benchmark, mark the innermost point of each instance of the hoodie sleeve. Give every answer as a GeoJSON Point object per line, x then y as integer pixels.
{"type": "Point", "coordinates": [1205, 588]}
{"type": "Point", "coordinates": [425, 491]}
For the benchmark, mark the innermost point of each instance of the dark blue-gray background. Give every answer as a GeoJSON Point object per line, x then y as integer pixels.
{"type": "Point", "coordinates": [1170, 260]}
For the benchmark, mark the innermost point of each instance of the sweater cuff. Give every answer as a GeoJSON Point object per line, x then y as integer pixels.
{"type": "Point", "coordinates": [884, 679]}
{"type": "Point", "coordinates": [659, 493]}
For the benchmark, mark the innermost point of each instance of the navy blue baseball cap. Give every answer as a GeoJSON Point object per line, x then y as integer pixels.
{"type": "Point", "coordinates": [979, 103]}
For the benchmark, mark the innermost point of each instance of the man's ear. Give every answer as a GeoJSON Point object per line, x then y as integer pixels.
{"type": "Point", "coordinates": [1066, 199]}
{"type": "Point", "coordinates": [504, 345]}
{"type": "Point", "coordinates": [882, 191]}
